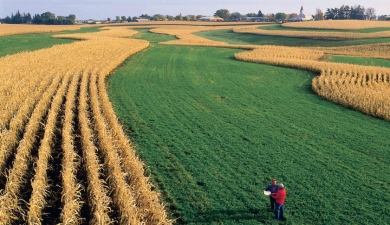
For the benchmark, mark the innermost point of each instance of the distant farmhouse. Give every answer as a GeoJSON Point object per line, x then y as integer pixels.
{"type": "Point", "coordinates": [384, 17]}
{"type": "Point", "coordinates": [212, 19]}
{"type": "Point", "coordinates": [303, 16]}
{"type": "Point", "coordinates": [141, 20]}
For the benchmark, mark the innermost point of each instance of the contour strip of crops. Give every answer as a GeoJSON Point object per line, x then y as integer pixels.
{"type": "Point", "coordinates": [11, 136]}
{"type": "Point", "coordinates": [40, 186]}
{"type": "Point", "coordinates": [96, 188]}
{"type": "Point", "coordinates": [9, 200]}
{"type": "Point", "coordinates": [363, 88]}
{"type": "Point", "coordinates": [122, 195]}
{"type": "Point", "coordinates": [12, 29]}
{"type": "Point", "coordinates": [312, 34]}
{"type": "Point", "coordinates": [71, 196]}
{"type": "Point", "coordinates": [370, 99]}
{"type": "Point", "coordinates": [99, 54]}
{"type": "Point", "coordinates": [146, 199]}
{"type": "Point", "coordinates": [340, 24]}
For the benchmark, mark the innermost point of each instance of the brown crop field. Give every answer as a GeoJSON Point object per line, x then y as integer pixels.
{"type": "Point", "coordinates": [55, 113]}
{"type": "Point", "coordinates": [12, 29]}
{"type": "Point", "coordinates": [64, 157]}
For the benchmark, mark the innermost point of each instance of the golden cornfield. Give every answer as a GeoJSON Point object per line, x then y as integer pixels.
{"type": "Point", "coordinates": [59, 136]}
{"type": "Point", "coordinates": [11, 29]}
{"type": "Point", "coordinates": [363, 88]}
{"type": "Point", "coordinates": [59, 131]}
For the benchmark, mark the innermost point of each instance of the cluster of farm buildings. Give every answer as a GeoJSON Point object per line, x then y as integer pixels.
{"type": "Point", "coordinates": [302, 16]}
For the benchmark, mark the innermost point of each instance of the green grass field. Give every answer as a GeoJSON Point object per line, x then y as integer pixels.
{"type": "Point", "coordinates": [235, 38]}
{"type": "Point", "coordinates": [280, 27]}
{"type": "Point", "coordinates": [30, 42]}
{"type": "Point", "coordinates": [213, 131]}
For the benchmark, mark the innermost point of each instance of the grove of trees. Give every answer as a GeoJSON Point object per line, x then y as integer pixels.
{"type": "Point", "coordinates": [44, 18]}
{"type": "Point", "coordinates": [346, 12]}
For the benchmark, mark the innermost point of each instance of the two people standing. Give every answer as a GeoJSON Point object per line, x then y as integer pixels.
{"type": "Point", "coordinates": [277, 197]}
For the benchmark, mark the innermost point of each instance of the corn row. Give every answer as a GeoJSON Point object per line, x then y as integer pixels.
{"type": "Point", "coordinates": [9, 200]}
{"type": "Point", "coordinates": [96, 189]}
{"type": "Point", "coordinates": [14, 97]}
{"type": "Point", "coordinates": [147, 200]}
{"type": "Point", "coordinates": [40, 187]}
{"type": "Point", "coordinates": [10, 137]}
{"type": "Point", "coordinates": [71, 198]}
{"type": "Point", "coordinates": [379, 51]}
{"type": "Point", "coordinates": [123, 197]}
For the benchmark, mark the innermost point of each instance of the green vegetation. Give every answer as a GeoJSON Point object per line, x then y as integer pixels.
{"type": "Point", "coordinates": [359, 61]}
{"type": "Point", "coordinates": [30, 42]}
{"type": "Point", "coordinates": [213, 131]}
{"type": "Point", "coordinates": [236, 38]}
{"type": "Point", "coordinates": [280, 27]}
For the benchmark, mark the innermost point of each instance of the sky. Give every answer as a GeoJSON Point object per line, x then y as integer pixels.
{"type": "Point", "coordinates": [102, 9]}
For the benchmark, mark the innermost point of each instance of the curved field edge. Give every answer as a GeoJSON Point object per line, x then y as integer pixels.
{"type": "Point", "coordinates": [222, 128]}
{"type": "Point", "coordinates": [249, 39]}
{"type": "Point", "coordinates": [30, 42]}
{"type": "Point", "coordinates": [106, 127]}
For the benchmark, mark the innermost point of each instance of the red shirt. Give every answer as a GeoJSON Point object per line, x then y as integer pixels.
{"type": "Point", "coordinates": [280, 196]}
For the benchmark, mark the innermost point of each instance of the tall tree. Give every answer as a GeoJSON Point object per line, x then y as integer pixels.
{"type": "Point", "coordinates": [319, 14]}
{"type": "Point", "coordinates": [123, 19]}
{"type": "Point", "coordinates": [17, 18]}
{"type": "Point", "coordinates": [280, 16]}
{"type": "Point", "coordinates": [357, 12]}
{"type": "Point", "coordinates": [72, 18]}
{"type": "Point", "coordinates": [235, 16]}
{"type": "Point", "coordinates": [118, 19]}
{"type": "Point", "coordinates": [179, 17]}
{"type": "Point", "coordinates": [260, 14]}
{"type": "Point", "coordinates": [48, 18]}
{"type": "Point", "coordinates": [223, 13]}
{"type": "Point", "coordinates": [370, 13]}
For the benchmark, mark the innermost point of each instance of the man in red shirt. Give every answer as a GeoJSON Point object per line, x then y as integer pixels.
{"type": "Point", "coordinates": [279, 197]}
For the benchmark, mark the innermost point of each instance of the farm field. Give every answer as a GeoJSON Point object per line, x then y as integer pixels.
{"type": "Point", "coordinates": [222, 128]}
{"type": "Point", "coordinates": [235, 38]}
{"type": "Point", "coordinates": [210, 130]}
{"type": "Point", "coordinates": [57, 128]}
{"type": "Point", "coordinates": [29, 42]}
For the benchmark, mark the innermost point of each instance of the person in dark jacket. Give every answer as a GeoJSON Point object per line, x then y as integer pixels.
{"type": "Point", "coordinates": [279, 197]}
{"type": "Point", "coordinates": [273, 188]}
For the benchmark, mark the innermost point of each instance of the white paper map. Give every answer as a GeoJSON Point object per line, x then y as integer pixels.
{"type": "Point", "coordinates": [267, 192]}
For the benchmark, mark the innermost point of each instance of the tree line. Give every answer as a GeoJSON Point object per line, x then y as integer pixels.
{"type": "Point", "coordinates": [44, 18]}
{"type": "Point", "coordinates": [346, 12]}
